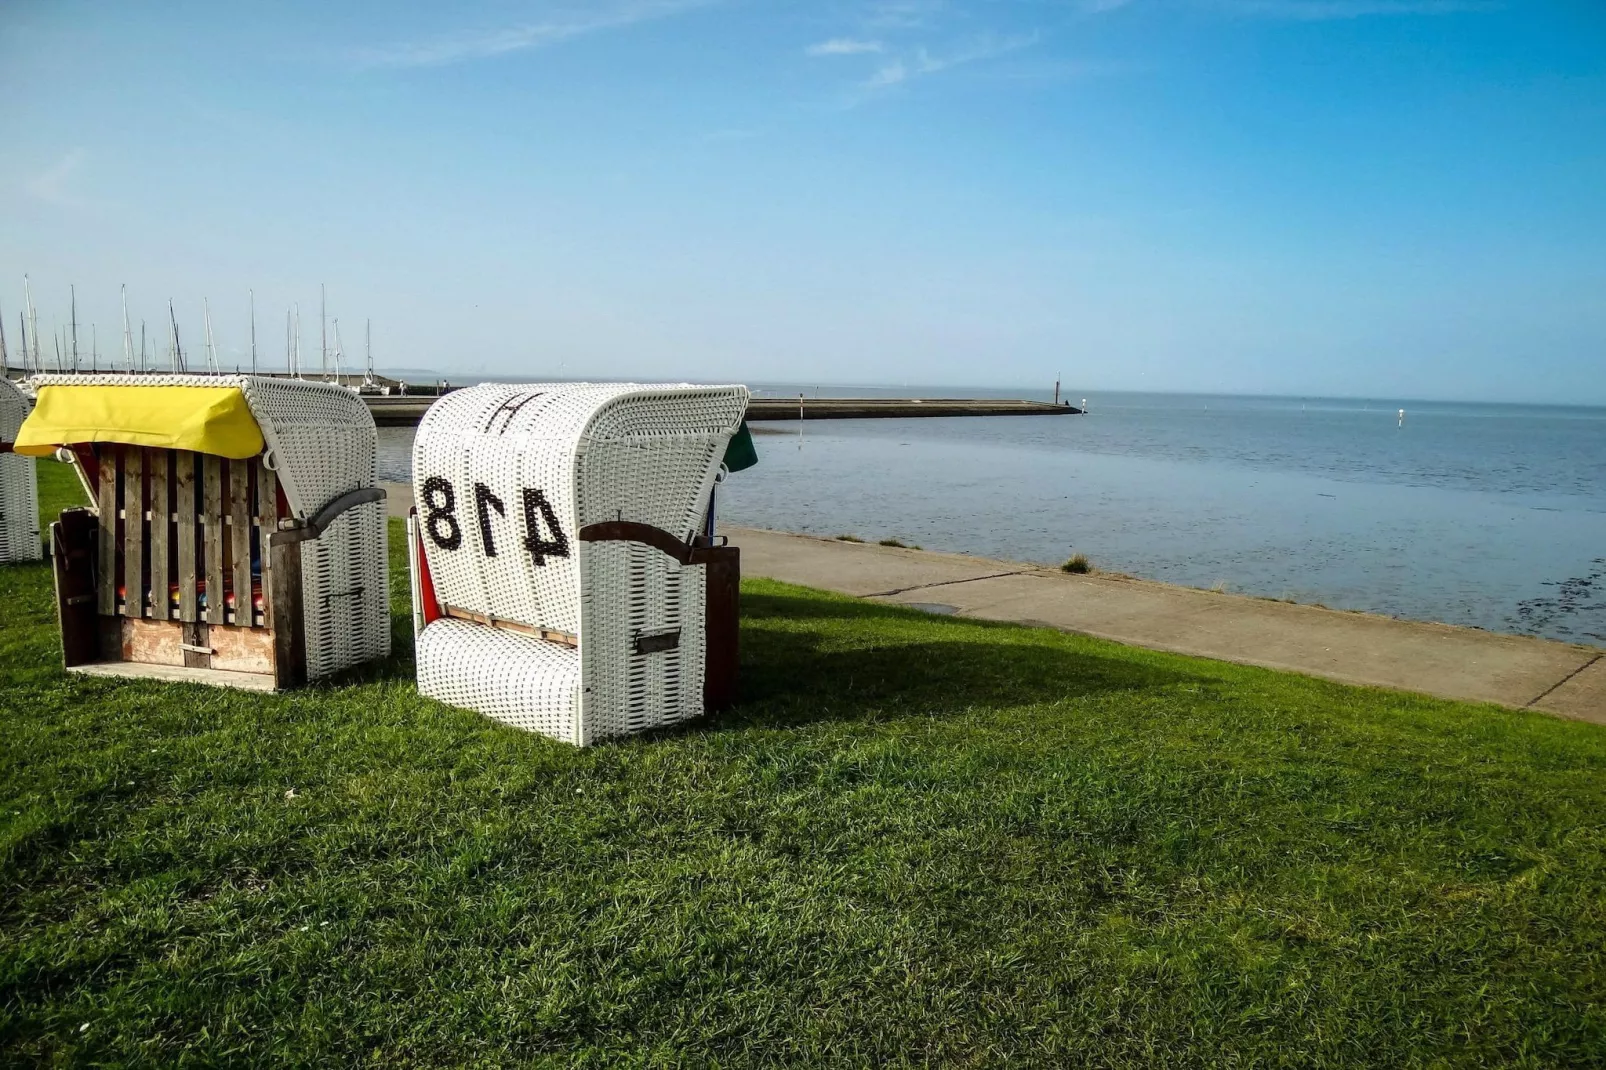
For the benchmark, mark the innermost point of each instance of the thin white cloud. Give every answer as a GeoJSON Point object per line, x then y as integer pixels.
{"type": "Point", "coordinates": [903, 14]}
{"type": "Point", "coordinates": [923, 63]}
{"type": "Point", "coordinates": [463, 47]}
{"type": "Point", "coordinates": [52, 184]}
{"type": "Point", "coordinates": [843, 46]}
{"type": "Point", "coordinates": [888, 74]}
{"type": "Point", "coordinates": [1324, 10]}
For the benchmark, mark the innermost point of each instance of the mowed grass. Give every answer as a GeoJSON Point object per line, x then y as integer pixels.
{"type": "Point", "coordinates": [919, 840]}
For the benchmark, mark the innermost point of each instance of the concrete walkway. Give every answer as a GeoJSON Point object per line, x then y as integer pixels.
{"type": "Point", "coordinates": [1354, 648]}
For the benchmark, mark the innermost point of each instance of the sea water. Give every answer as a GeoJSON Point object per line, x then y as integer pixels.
{"type": "Point", "coordinates": [1490, 516]}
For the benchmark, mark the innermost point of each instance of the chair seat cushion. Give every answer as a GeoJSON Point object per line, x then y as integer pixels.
{"type": "Point", "coordinates": [528, 682]}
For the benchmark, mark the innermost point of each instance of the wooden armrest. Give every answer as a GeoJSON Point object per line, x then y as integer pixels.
{"type": "Point", "coordinates": [314, 526]}
{"type": "Point", "coordinates": [657, 538]}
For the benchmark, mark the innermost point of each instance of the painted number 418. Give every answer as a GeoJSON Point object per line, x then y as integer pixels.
{"type": "Point", "coordinates": [440, 520]}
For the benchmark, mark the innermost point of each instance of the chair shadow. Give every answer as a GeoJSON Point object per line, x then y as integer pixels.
{"type": "Point", "coordinates": [791, 677]}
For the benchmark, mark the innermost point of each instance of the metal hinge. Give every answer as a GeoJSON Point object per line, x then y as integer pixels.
{"type": "Point", "coordinates": [654, 644]}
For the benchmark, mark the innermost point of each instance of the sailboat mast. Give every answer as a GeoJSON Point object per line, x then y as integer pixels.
{"type": "Point", "coordinates": [368, 345]}
{"type": "Point", "coordinates": [253, 332]}
{"type": "Point", "coordinates": [298, 340]}
{"type": "Point", "coordinates": [33, 324]}
{"type": "Point", "coordinates": [178, 346]}
{"type": "Point", "coordinates": [5, 357]}
{"type": "Point", "coordinates": [73, 290]}
{"type": "Point", "coordinates": [142, 346]}
{"type": "Point", "coordinates": [338, 347]}
{"type": "Point", "coordinates": [94, 348]}
{"type": "Point", "coordinates": [323, 327]}
{"type": "Point", "coordinates": [128, 336]}
{"type": "Point", "coordinates": [211, 350]}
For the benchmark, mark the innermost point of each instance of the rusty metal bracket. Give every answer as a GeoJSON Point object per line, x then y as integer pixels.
{"type": "Point", "coordinates": [314, 526]}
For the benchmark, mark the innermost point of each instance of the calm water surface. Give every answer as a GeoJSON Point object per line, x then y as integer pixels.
{"type": "Point", "coordinates": [1492, 516]}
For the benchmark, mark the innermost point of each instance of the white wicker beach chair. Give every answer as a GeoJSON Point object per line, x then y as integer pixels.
{"type": "Point", "coordinates": [560, 580]}
{"type": "Point", "coordinates": [237, 536]}
{"type": "Point", "coordinates": [19, 493]}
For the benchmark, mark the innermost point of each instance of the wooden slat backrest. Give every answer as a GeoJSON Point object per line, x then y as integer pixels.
{"type": "Point", "coordinates": [161, 505]}
{"type": "Point", "coordinates": [214, 535]}
{"type": "Point", "coordinates": [106, 492]}
{"type": "Point", "coordinates": [133, 496]}
{"type": "Point", "coordinates": [76, 600]}
{"type": "Point", "coordinates": [281, 588]}
{"type": "Point", "coordinates": [240, 510]}
{"type": "Point", "coordinates": [174, 518]}
{"type": "Point", "coordinates": [267, 514]}
{"type": "Point", "coordinates": [186, 533]}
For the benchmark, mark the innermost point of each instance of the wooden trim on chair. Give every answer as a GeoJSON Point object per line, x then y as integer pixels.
{"type": "Point", "coordinates": [551, 635]}
{"type": "Point", "coordinates": [314, 526]}
{"type": "Point", "coordinates": [74, 554]}
{"type": "Point", "coordinates": [657, 538]}
{"type": "Point", "coordinates": [629, 531]}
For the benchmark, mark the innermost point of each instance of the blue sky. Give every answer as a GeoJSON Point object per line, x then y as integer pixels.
{"type": "Point", "coordinates": [1360, 197]}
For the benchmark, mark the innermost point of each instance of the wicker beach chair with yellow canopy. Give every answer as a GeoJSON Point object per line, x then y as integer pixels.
{"type": "Point", "coordinates": [563, 580]}
{"type": "Point", "coordinates": [237, 535]}
{"type": "Point", "coordinates": [19, 493]}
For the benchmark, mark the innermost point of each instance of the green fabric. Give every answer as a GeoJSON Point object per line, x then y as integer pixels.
{"type": "Point", "coordinates": [740, 453]}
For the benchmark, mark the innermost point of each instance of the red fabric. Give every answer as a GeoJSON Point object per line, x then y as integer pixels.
{"type": "Point", "coordinates": [85, 452]}
{"type": "Point", "coordinates": [426, 585]}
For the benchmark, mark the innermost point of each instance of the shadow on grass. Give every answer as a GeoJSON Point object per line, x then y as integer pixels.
{"type": "Point", "coordinates": [792, 676]}
{"type": "Point", "coordinates": [805, 659]}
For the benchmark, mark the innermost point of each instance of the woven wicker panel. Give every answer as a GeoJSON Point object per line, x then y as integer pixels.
{"type": "Point", "coordinates": [521, 680]}
{"type": "Point", "coordinates": [593, 452]}
{"type": "Point", "coordinates": [345, 592]}
{"type": "Point", "coordinates": [660, 448]}
{"type": "Point", "coordinates": [463, 478]}
{"type": "Point", "coordinates": [322, 437]}
{"type": "Point", "coordinates": [665, 481]}
{"type": "Point", "coordinates": [633, 591]}
{"type": "Point", "coordinates": [324, 444]}
{"type": "Point", "coordinates": [14, 406]}
{"type": "Point", "coordinates": [19, 495]}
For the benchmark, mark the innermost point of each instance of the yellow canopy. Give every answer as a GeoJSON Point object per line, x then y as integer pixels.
{"type": "Point", "coordinates": [206, 419]}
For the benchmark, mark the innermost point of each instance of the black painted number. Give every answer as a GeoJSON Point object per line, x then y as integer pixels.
{"type": "Point", "coordinates": [537, 510]}
{"type": "Point", "coordinates": [444, 510]}
{"type": "Point", "coordinates": [484, 501]}
{"type": "Point", "coordinates": [543, 535]}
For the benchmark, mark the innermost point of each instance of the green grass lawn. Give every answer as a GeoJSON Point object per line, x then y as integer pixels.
{"type": "Point", "coordinates": [918, 840]}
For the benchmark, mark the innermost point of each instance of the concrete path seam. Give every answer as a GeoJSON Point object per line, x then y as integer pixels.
{"type": "Point", "coordinates": [1558, 684]}
{"type": "Point", "coordinates": [947, 583]}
